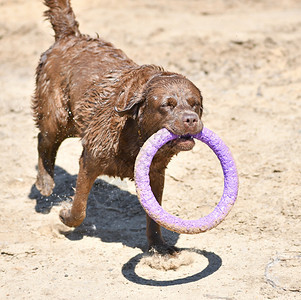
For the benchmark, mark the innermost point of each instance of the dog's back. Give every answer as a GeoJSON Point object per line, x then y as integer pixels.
{"type": "Point", "coordinates": [67, 70]}
{"type": "Point", "coordinates": [80, 84]}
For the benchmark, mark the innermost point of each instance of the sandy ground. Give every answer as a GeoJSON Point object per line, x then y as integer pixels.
{"type": "Point", "coordinates": [245, 57]}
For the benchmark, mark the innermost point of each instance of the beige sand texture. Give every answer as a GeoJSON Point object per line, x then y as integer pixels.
{"type": "Point", "coordinates": [245, 56]}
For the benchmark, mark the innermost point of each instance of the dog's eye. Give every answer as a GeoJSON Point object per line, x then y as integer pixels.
{"type": "Point", "coordinates": [169, 103]}
{"type": "Point", "coordinates": [196, 105]}
{"type": "Point", "coordinates": [192, 102]}
{"type": "Point", "coordinates": [198, 108]}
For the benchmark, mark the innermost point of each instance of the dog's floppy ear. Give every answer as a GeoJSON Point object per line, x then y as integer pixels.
{"type": "Point", "coordinates": [129, 99]}
{"type": "Point", "coordinates": [133, 86]}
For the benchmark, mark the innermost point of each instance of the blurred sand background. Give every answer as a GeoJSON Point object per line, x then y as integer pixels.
{"type": "Point", "coordinates": [245, 57]}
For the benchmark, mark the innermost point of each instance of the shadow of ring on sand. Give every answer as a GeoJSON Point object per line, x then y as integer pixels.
{"type": "Point", "coordinates": [214, 263]}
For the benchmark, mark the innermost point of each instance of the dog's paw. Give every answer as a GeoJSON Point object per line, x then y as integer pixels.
{"type": "Point", "coordinates": [69, 220]}
{"type": "Point", "coordinates": [163, 249]}
{"type": "Point", "coordinates": [45, 185]}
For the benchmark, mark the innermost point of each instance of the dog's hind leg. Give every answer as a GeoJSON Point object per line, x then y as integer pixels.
{"type": "Point", "coordinates": [48, 144]}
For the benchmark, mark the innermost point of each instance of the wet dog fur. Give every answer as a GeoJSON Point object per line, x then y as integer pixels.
{"type": "Point", "coordinates": [87, 88]}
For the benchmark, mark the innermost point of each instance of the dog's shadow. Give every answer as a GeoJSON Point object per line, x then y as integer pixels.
{"type": "Point", "coordinates": [113, 214]}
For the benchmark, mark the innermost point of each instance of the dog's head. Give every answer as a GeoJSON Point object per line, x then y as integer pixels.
{"type": "Point", "coordinates": [168, 101]}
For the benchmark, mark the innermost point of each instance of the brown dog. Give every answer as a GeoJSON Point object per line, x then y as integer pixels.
{"type": "Point", "coordinates": [87, 88]}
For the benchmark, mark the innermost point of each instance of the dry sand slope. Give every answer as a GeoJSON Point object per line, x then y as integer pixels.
{"type": "Point", "coordinates": [245, 57]}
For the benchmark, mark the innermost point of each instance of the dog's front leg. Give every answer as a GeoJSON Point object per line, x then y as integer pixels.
{"type": "Point", "coordinates": [87, 174]}
{"type": "Point", "coordinates": [156, 242]}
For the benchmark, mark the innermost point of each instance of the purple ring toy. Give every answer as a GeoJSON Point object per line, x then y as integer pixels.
{"type": "Point", "coordinates": [149, 202]}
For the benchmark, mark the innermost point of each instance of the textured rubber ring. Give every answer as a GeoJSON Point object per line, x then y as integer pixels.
{"type": "Point", "coordinates": [149, 202]}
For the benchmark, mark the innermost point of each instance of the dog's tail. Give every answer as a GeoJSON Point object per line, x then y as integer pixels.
{"type": "Point", "coordinates": [62, 18]}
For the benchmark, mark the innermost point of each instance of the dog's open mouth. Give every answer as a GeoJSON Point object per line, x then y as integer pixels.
{"type": "Point", "coordinates": [183, 142]}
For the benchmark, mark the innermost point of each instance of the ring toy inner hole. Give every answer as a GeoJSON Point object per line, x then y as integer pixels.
{"type": "Point", "coordinates": [149, 202]}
